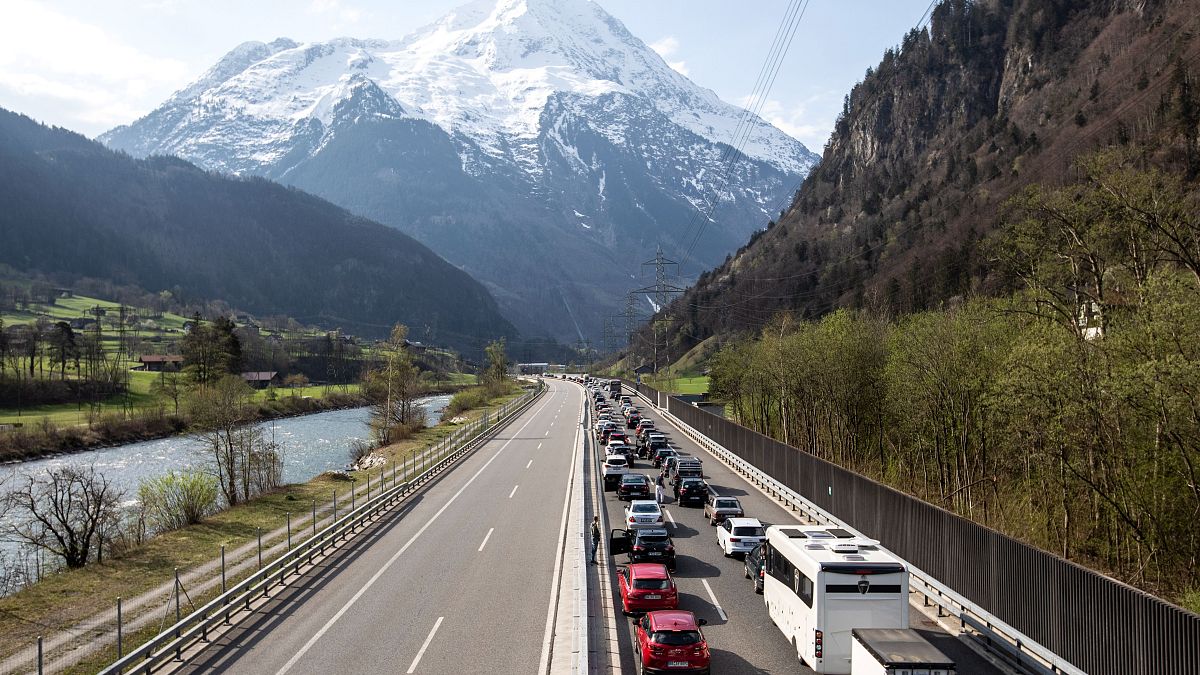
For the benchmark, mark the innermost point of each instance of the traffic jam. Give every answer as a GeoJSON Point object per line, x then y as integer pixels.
{"type": "Point", "coordinates": [831, 595]}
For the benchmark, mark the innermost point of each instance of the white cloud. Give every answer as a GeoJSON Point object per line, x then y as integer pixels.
{"type": "Point", "coordinates": [666, 47]}
{"type": "Point", "coordinates": [45, 54]}
{"type": "Point", "coordinates": [808, 121]}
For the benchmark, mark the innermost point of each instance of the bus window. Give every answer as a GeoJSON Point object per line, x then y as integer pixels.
{"type": "Point", "coordinates": [803, 586]}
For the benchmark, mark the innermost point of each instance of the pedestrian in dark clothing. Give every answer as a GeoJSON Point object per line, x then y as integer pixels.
{"type": "Point", "coordinates": [595, 537]}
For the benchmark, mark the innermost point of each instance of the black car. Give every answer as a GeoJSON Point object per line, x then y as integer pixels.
{"type": "Point", "coordinates": [635, 486]}
{"type": "Point", "coordinates": [651, 544]}
{"type": "Point", "coordinates": [691, 491]}
{"type": "Point", "coordinates": [755, 562]}
{"type": "Point", "coordinates": [650, 449]}
{"type": "Point", "coordinates": [631, 422]}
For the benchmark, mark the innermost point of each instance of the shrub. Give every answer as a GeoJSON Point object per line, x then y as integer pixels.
{"type": "Point", "coordinates": [176, 500]}
{"type": "Point", "coordinates": [467, 399]}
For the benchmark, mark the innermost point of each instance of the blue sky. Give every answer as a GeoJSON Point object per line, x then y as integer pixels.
{"type": "Point", "coordinates": [89, 65]}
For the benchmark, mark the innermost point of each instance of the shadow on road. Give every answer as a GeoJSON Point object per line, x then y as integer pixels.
{"type": "Point", "coordinates": [702, 607]}
{"type": "Point", "coordinates": [724, 661]}
{"type": "Point", "coordinates": [688, 567]}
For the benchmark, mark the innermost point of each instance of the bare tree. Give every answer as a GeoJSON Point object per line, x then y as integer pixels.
{"type": "Point", "coordinates": [64, 511]}
{"type": "Point", "coordinates": [244, 463]}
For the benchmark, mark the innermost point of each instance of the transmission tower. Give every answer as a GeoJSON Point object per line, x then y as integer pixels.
{"type": "Point", "coordinates": [662, 291]}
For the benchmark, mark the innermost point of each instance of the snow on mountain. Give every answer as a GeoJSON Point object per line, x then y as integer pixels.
{"type": "Point", "coordinates": [550, 107]}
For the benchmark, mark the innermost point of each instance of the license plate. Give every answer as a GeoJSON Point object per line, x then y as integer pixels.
{"type": "Point", "coordinates": [677, 664]}
{"type": "Point", "coordinates": [653, 596]}
{"type": "Point", "coordinates": [655, 552]}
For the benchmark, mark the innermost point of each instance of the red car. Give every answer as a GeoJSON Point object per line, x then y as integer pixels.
{"type": "Point", "coordinates": [670, 641]}
{"type": "Point", "coordinates": [617, 436]}
{"type": "Point", "coordinates": [646, 587]}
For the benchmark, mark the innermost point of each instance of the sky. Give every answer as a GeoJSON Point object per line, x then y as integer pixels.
{"type": "Point", "coordinates": [89, 66]}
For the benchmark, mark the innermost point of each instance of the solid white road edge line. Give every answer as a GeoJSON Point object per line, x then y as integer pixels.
{"type": "Point", "coordinates": [712, 597]}
{"type": "Point", "coordinates": [548, 633]}
{"type": "Point", "coordinates": [428, 639]}
{"type": "Point", "coordinates": [486, 537]}
{"type": "Point", "coordinates": [395, 556]}
{"type": "Point", "coordinates": [514, 491]}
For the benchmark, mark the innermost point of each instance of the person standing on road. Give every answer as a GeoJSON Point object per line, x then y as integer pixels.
{"type": "Point", "coordinates": [595, 537]}
{"type": "Point", "coordinates": [659, 493]}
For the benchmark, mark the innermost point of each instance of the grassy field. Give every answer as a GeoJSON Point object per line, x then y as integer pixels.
{"type": "Point", "coordinates": [64, 598]}
{"type": "Point", "coordinates": [695, 384]}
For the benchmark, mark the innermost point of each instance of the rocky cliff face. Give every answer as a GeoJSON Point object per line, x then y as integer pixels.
{"type": "Point", "coordinates": [994, 96]}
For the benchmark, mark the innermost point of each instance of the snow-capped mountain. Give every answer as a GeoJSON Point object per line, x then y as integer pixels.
{"type": "Point", "coordinates": [535, 143]}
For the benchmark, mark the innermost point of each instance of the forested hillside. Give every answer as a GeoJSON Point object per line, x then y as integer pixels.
{"type": "Point", "coordinates": [959, 117]}
{"type": "Point", "coordinates": [71, 208]}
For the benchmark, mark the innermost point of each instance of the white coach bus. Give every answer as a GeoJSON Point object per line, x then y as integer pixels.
{"type": "Point", "coordinates": [822, 582]}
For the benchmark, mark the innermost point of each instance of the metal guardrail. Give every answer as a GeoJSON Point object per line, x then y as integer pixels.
{"type": "Point", "coordinates": [170, 643]}
{"type": "Point", "coordinates": [1028, 652]}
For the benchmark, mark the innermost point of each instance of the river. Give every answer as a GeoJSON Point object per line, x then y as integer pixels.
{"type": "Point", "coordinates": [308, 444]}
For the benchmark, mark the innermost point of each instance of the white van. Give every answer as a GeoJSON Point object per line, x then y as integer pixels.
{"type": "Point", "coordinates": [820, 583]}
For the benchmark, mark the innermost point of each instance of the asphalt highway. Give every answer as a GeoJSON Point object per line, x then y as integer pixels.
{"type": "Point", "coordinates": [459, 579]}
{"type": "Point", "coordinates": [740, 634]}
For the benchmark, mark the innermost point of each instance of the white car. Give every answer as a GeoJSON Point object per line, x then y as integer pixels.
{"type": "Point", "coordinates": [615, 466]}
{"type": "Point", "coordinates": [643, 513]}
{"type": "Point", "coordinates": [740, 535]}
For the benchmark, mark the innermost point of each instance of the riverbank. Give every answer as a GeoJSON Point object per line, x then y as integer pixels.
{"type": "Point", "coordinates": [45, 438]}
{"type": "Point", "coordinates": [64, 599]}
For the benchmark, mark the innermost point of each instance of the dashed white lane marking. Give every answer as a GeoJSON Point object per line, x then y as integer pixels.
{"type": "Point", "coordinates": [437, 624]}
{"type": "Point", "coordinates": [539, 447]}
{"type": "Point", "coordinates": [510, 495]}
{"type": "Point", "coordinates": [528, 463]}
{"type": "Point", "coordinates": [669, 517]}
{"type": "Point", "coordinates": [724, 617]}
{"type": "Point", "coordinates": [395, 556]}
{"type": "Point", "coordinates": [486, 537]}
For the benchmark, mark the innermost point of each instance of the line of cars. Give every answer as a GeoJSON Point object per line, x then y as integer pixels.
{"type": "Point", "coordinates": [829, 591]}
{"type": "Point", "coordinates": [667, 638]}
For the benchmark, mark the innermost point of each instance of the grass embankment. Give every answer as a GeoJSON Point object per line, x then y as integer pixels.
{"type": "Point", "coordinates": [68, 597]}
{"type": "Point", "coordinates": [693, 384]}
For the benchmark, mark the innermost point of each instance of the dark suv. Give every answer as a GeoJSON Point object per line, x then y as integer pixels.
{"type": "Point", "coordinates": [651, 544]}
{"type": "Point", "coordinates": [691, 491]}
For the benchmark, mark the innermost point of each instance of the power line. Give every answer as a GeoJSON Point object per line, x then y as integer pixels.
{"type": "Point", "coordinates": [767, 74]}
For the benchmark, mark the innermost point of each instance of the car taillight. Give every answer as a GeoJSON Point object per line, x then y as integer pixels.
{"type": "Point", "coordinates": [639, 548]}
{"type": "Point", "coordinates": [670, 547]}
{"type": "Point", "coordinates": [761, 573]}
{"type": "Point", "coordinates": [698, 650]}
{"type": "Point", "coordinates": [820, 635]}
{"type": "Point", "coordinates": [657, 651]}
{"type": "Point", "coordinates": [632, 519]}
{"type": "Point", "coordinates": [734, 540]}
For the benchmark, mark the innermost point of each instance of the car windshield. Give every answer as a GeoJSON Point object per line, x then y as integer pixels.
{"type": "Point", "coordinates": [693, 484]}
{"type": "Point", "coordinates": [652, 584]}
{"type": "Point", "coordinates": [634, 478]}
{"type": "Point", "coordinates": [615, 461]}
{"type": "Point", "coordinates": [675, 637]}
{"type": "Point", "coordinates": [645, 508]}
{"type": "Point", "coordinates": [748, 531]}
{"type": "Point", "coordinates": [728, 504]}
